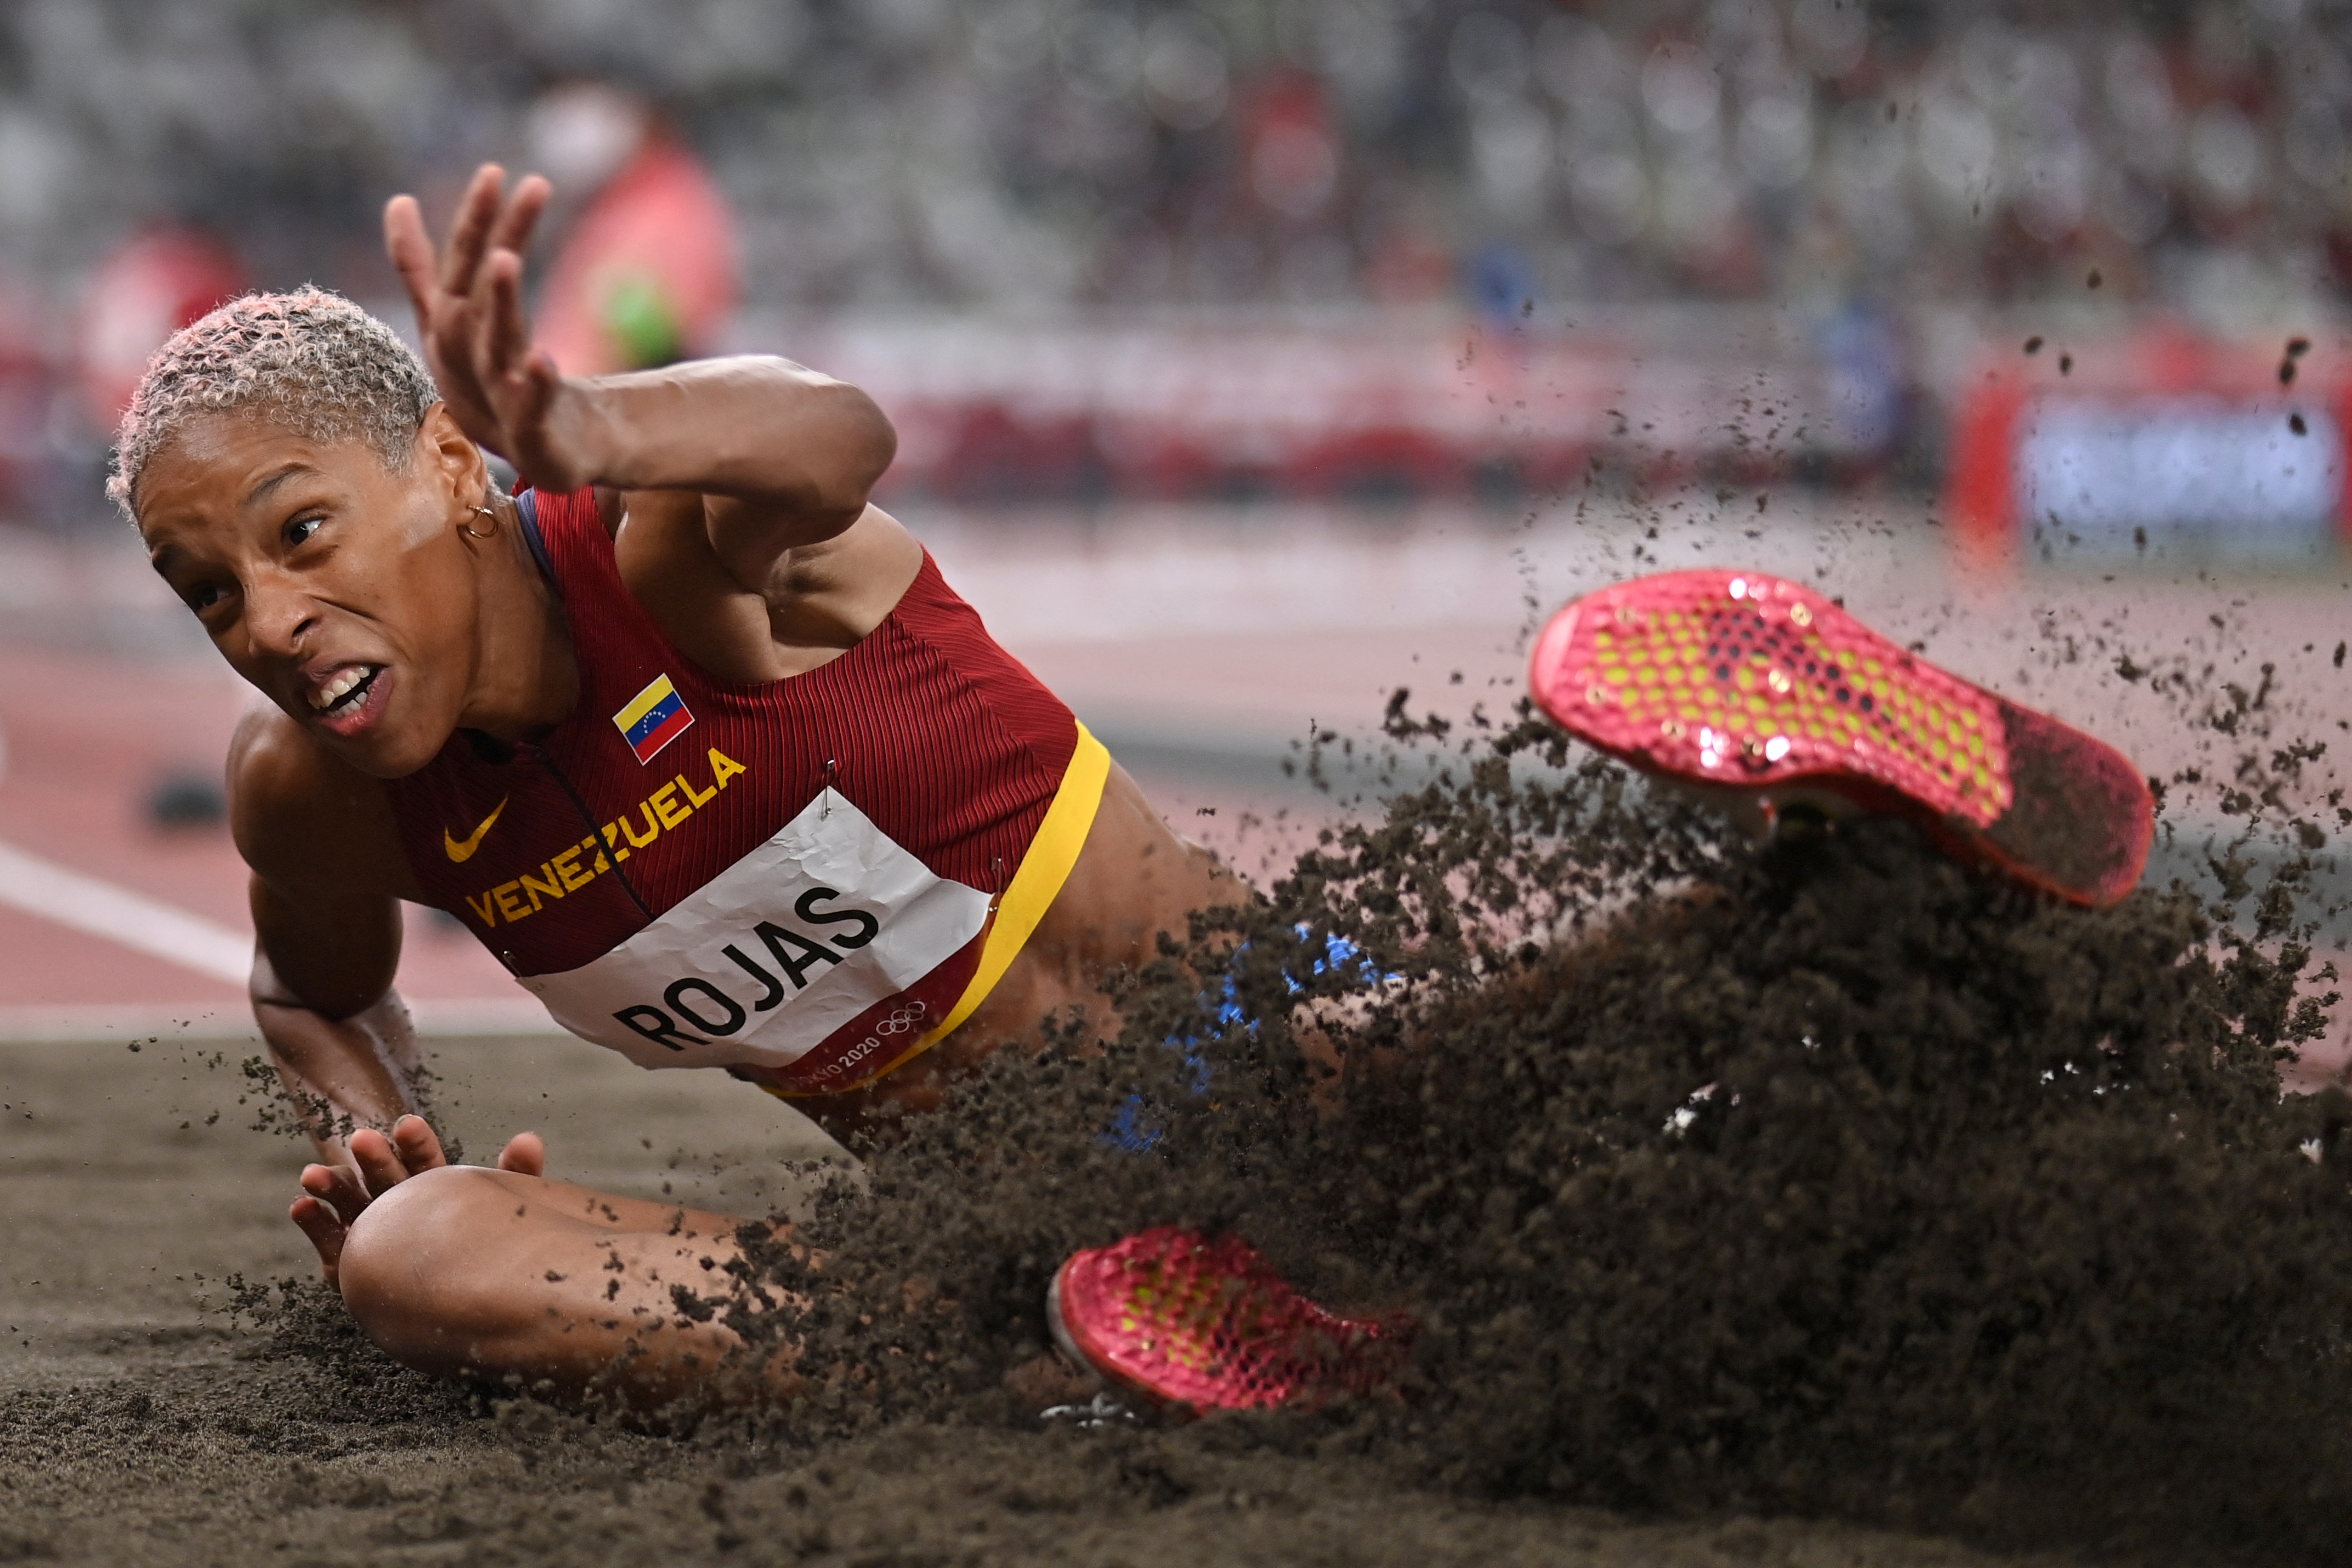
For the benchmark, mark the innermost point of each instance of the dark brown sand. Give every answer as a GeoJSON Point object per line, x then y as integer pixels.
{"type": "Point", "coordinates": [137, 1426]}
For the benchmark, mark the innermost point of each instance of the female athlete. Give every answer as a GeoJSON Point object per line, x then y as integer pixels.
{"type": "Point", "coordinates": [695, 740]}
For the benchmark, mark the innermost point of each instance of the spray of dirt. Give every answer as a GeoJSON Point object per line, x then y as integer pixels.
{"type": "Point", "coordinates": [1824, 1179]}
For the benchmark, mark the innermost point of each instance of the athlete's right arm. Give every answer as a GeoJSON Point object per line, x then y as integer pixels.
{"type": "Point", "coordinates": [327, 876]}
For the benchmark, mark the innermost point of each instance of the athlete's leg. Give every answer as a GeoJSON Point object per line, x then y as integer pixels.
{"type": "Point", "coordinates": [513, 1279]}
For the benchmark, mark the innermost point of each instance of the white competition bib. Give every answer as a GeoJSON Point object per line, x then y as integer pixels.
{"type": "Point", "coordinates": [788, 945]}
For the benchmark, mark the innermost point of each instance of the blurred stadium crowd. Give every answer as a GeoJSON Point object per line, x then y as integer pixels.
{"type": "Point", "coordinates": [1373, 166]}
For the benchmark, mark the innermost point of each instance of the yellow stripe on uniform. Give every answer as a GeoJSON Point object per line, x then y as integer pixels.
{"type": "Point", "coordinates": [1046, 865]}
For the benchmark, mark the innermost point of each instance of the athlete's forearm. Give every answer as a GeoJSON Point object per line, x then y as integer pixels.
{"type": "Point", "coordinates": [341, 1073]}
{"type": "Point", "coordinates": [757, 429]}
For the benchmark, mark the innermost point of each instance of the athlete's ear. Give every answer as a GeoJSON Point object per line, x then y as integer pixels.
{"type": "Point", "coordinates": [452, 457]}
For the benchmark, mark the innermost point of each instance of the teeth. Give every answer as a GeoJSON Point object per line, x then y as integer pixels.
{"type": "Point", "coordinates": [338, 688]}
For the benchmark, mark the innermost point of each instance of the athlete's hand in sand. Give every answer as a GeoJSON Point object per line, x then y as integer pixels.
{"type": "Point", "coordinates": [334, 1196]}
{"type": "Point", "coordinates": [506, 394]}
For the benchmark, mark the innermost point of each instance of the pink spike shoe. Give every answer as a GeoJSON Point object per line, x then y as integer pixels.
{"type": "Point", "coordinates": [1736, 680]}
{"type": "Point", "coordinates": [1198, 1324]}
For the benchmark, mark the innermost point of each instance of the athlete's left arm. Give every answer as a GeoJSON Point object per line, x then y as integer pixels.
{"type": "Point", "coordinates": [781, 455]}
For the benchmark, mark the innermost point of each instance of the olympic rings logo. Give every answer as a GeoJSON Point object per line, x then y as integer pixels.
{"type": "Point", "coordinates": [903, 1020]}
{"type": "Point", "coordinates": [900, 1022]}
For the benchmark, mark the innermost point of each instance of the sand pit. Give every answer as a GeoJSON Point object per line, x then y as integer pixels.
{"type": "Point", "coordinates": [138, 1427]}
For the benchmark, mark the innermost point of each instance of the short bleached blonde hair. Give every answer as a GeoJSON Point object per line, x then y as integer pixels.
{"type": "Point", "coordinates": [310, 359]}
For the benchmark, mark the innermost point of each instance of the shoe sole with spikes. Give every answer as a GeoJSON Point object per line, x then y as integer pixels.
{"type": "Point", "coordinates": [1735, 681]}
{"type": "Point", "coordinates": [1194, 1323]}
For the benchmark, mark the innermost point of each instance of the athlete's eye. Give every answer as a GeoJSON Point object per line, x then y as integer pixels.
{"type": "Point", "coordinates": [301, 529]}
{"type": "Point", "coordinates": [203, 596]}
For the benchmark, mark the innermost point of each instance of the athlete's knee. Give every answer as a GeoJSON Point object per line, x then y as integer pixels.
{"type": "Point", "coordinates": [412, 1267]}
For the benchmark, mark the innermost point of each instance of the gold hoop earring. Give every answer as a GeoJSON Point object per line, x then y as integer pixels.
{"type": "Point", "coordinates": [467, 529]}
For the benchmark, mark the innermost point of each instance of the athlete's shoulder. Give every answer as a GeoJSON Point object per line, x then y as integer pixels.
{"type": "Point", "coordinates": [300, 816]}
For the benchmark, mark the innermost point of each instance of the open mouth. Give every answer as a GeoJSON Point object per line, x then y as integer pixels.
{"type": "Point", "coordinates": [347, 693]}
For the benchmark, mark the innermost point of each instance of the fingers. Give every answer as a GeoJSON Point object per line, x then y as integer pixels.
{"type": "Point", "coordinates": [469, 237]}
{"type": "Point", "coordinates": [418, 1145]}
{"type": "Point", "coordinates": [324, 1230]}
{"type": "Point", "coordinates": [539, 455]}
{"type": "Point", "coordinates": [521, 215]}
{"type": "Point", "coordinates": [333, 1197]}
{"type": "Point", "coordinates": [506, 332]}
{"type": "Point", "coordinates": [381, 1167]}
{"type": "Point", "coordinates": [524, 380]}
{"type": "Point", "coordinates": [553, 464]}
{"type": "Point", "coordinates": [525, 1153]}
{"type": "Point", "coordinates": [488, 221]}
{"type": "Point", "coordinates": [471, 320]}
{"type": "Point", "coordinates": [337, 1185]}
{"type": "Point", "coordinates": [411, 249]}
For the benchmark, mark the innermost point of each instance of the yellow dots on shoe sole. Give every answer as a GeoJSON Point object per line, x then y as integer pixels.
{"type": "Point", "coordinates": [1783, 681]}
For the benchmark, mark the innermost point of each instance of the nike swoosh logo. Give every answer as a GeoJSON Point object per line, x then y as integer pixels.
{"type": "Point", "coordinates": [462, 850]}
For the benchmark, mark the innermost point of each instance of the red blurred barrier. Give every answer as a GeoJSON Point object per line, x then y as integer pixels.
{"type": "Point", "coordinates": [1389, 405]}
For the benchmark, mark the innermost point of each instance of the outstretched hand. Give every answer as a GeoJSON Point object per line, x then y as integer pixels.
{"type": "Point", "coordinates": [505, 394]}
{"type": "Point", "coordinates": [333, 1197]}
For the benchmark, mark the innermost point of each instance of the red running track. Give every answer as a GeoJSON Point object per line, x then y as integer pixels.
{"type": "Point", "coordinates": [88, 739]}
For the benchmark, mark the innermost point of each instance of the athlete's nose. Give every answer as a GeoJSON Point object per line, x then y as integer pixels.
{"type": "Point", "coordinates": [279, 615]}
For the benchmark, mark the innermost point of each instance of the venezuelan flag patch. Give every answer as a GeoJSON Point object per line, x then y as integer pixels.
{"type": "Point", "coordinates": [653, 718]}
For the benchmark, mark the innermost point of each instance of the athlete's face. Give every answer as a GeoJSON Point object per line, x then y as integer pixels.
{"type": "Point", "coordinates": [342, 588]}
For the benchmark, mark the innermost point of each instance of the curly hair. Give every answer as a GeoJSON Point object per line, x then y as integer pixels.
{"type": "Point", "coordinates": [311, 360]}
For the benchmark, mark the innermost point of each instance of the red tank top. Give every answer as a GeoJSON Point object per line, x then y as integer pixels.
{"type": "Point", "coordinates": [664, 779]}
